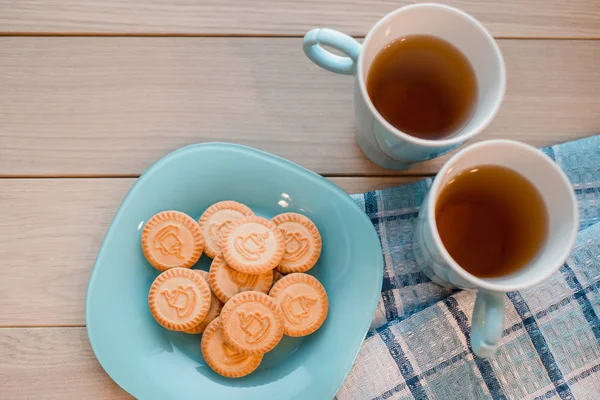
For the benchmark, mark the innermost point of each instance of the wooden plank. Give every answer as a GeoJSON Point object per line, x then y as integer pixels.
{"type": "Point", "coordinates": [509, 18]}
{"type": "Point", "coordinates": [113, 106]}
{"type": "Point", "coordinates": [52, 363]}
{"type": "Point", "coordinates": [50, 239]}
{"type": "Point", "coordinates": [50, 235]}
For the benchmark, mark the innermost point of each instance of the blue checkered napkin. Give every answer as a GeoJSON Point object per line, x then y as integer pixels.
{"type": "Point", "coordinates": [419, 345]}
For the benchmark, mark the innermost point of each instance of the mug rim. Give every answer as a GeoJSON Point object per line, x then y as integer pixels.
{"type": "Point", "coordinates": [455, 140]}
{"type": "Point", "coordinates": [482, 283]}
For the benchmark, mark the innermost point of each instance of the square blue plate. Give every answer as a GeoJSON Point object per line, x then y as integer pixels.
{"type": "Point", "coordinates": [151, 362]}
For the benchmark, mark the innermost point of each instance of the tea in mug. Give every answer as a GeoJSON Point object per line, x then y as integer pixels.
{"type": "Point", "coordinates": [491, 220]}
{"type": "Point", "coordinates": [423, 86]}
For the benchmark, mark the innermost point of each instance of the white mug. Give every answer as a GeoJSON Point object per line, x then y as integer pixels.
{"type": "Point", "coordinates": [379, 140]}
{"type": "Point", "coordinates": [563, 223]}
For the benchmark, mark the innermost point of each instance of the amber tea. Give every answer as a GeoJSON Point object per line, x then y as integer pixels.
{"type": "Point", "coordinates": [491, 220]}
{"type": "Point", "coordinates": [423, 86]}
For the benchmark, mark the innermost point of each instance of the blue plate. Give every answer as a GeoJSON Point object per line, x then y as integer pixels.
{"type": "Point", "coordinates": [151, 362]}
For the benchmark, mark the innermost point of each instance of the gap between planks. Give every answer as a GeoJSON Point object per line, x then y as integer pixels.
{"type": "Point", "coordinates": [234, 35]}
{"type": "Point", "coordinates": [135, 176]}
{"type": "Point", "coordinates": [43, 326]}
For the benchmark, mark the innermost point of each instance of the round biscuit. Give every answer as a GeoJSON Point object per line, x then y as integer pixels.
{"type": "Point", "coordinates": [179, 299]}
{"type": "Point", "coordinates": [253, 245]}
{"type": "Point", "coordinates": [172, 239]}
{"type": "Point", "coordinates": [303, 302]}
{"type": "Point", "coordinates": [302, 242]}
{"type": "Point", "coordinates": [252, 323]}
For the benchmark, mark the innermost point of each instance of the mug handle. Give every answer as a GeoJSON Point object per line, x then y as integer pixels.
{"type": "Point", "coordinates": [340, 41]}
{"type": "Point", "coordinates": [487, 323]}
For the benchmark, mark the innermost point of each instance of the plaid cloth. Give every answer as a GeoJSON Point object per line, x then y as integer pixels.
{"type": "Point", "coordinates": [419, 345]}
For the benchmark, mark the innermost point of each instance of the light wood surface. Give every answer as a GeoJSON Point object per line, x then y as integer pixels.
{"type": "Point", "coordinates": [52, 234]}
{"type": "Point", "coordinates": [92, 92]}
{"type": "Point", "coordinates": [52, 364]}
{"type": "Point", "coordinates": [506, 18]}
{"type": "Point", "coordinates": [112, 106]}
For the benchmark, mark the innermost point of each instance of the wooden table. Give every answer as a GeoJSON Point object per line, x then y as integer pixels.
{"type": "Point", "coordinates": [92, 92]}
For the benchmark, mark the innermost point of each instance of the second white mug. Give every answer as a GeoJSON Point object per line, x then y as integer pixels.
{"type": "Point", "coordinates": [380, 141]}
{"type": "Point", "coordinates": [433, 258]}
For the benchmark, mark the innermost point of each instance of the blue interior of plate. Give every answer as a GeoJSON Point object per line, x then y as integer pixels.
{"type": "Point", "coordinates": [151, 362]}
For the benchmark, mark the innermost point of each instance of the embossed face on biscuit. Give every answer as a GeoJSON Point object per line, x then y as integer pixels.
{"type": "Point", "coordinates": [303, 301]}
{"type": "Point", "coordinates": [179, 299]}
{"type": "Point", "coordinates": [252, 323]}
{"type": "Point", "coordinates": [172, 239]}
{"type": "Point", "coordinates": [253, 245]}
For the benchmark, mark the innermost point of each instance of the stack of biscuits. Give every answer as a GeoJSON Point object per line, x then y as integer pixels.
{"type": "Point", "coordinates": [255, 292]}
